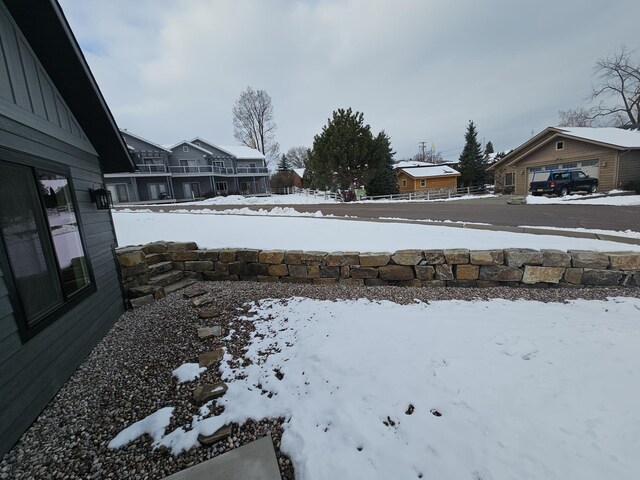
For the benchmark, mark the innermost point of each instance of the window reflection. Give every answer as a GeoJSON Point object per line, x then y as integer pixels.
{"type": "Point", "coordinates": [64, 232]}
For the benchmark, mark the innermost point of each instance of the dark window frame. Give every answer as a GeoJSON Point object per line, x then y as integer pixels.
{"type": "Point", "coordinates": [25, 331]}
{"type": "Point", "coordinates": [560, 145]}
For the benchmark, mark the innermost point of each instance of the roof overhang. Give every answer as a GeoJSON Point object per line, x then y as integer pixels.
{"type": "Point", "coordinates": [46, 29]}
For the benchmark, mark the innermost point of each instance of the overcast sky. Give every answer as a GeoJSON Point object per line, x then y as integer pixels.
{"type": "Point", "coordinates": [419, 69]}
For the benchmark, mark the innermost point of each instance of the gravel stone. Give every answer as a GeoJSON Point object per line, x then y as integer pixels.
{"type": "Point", "coordinates": [128, 376]}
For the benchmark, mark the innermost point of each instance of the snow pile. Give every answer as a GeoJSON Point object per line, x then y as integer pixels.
{"type": "Point", "coordinates": [323, 234]}
{"type": "Point", "coordinates": [292, 199]}
{"type": "Point", "coordinates": [448, 389]}
{"type": "Point", "coordinates": [275, 211]}
{"type": "Point", "coordinates": [594, 199]}
{"type": "Point", "coordinates": [153, 425]}
{"type": "Point", "coordinates": [188, 372]}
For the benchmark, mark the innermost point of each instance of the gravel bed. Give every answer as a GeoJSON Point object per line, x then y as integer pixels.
{"type": "Point", "coordinates": [128, 376]}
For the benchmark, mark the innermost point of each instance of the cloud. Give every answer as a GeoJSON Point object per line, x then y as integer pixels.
{"type": "Point", "coordinates": [417, 69]}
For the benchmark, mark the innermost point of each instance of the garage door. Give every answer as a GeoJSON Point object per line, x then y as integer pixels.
{"type": "Point", "coordinates": [589, 167]}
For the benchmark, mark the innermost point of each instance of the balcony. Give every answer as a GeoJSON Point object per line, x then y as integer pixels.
{"type": "Point", "coordinates": [155, 168]}
{"type": "Point", "coordinates": [201, 169]}
{"type": "Point", "coordinates": [251, 170]}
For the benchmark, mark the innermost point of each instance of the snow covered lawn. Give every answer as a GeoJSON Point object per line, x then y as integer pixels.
{"type": "Point", "coordinates": [448, 389]}
{"type": "Point", "coordinates": [595, 199]}
{"type": "Point", "coordinates": [263, 232]}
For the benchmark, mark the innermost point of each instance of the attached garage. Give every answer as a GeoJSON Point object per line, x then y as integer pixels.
{"type": "Point", "coordinates": [590, 167]}
{"type": "Point", "coordinates": [611, 155]}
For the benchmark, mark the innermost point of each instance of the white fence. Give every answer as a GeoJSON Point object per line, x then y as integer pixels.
{"type": "Point", "coordinates": [326, 195]}
{"type": "Point", "coordinates": [434, 194]}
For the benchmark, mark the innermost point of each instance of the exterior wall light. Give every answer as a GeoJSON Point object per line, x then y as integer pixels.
{"type": "Point", "coordinates": [102, 198]}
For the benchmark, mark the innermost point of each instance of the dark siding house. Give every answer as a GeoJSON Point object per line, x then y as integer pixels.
{"type": "Point", "coordinates": [59, 288]}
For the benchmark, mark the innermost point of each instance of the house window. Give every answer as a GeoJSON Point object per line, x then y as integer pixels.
{"type": "Point", "coordinates": [221, 186]}
{"type": "Point", "coordinates": [551, 167]}
{"type": "Point", "coordinates": [509, 179]}
{"type": "Point", "coordinates": [191, 190]}
{"type": "Point", "coordinates": [404, 182]}
{"type": "Point", "coordinates": [589, 163]}
{"type": "Point", "coordinates": [570, 165]}
{"type": "Point", "coordinates": [42, 243]}
{"type": "Point", "coordinates": [559, 145]}
{"type": "Point", "coordinates": [119, 192]}
{"type": "Point", "coordinates": [218, 164]}
{"type": "Point", "coordinates": [185, 148]}
{"type": "Point", "coordinates": [423, 182]}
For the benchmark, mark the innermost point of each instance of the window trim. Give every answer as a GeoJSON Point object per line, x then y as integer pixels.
{"type": "Point", "coordinates": [560, 145]}
{"type": "Point", "coordinates": [513, 179]}
{"type": "Point", "coordinates": [27, 333]}
{"type": "Point", "coordinates": [185, 148]}
{"type": "Point", "coordinates": [423, 182]}
{"type": "Point", "coordinates": [404, 182]}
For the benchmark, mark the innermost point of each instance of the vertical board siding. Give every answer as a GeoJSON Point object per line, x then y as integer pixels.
{"type": "Point", "coordinates": [629, 167]}
{"type": "Point", "coordinates": [24, 82]}
{"type": "Point", "coordinates": [35, 121]}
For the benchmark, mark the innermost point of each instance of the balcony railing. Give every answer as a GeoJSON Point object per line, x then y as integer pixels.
{"type": "Point", "coordinates": [152, 168]}
{"type": "Point", "coordinates": [251, 170]}
{"type": "Point", "coordinates": [201, 169]}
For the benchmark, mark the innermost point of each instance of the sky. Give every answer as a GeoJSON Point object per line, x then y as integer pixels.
{"type": "Point", "coordinates": [418, 69]}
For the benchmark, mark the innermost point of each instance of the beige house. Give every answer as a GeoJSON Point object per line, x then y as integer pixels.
{"type": "Point", "coordinates": [416, 176]}
{"type": "Point", "coordinates": [611, 155]}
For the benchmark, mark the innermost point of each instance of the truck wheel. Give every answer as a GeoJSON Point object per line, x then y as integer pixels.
{"type": "Point", "coordinates": [593, 189]}
{"type": "Point", "coordinates": [564, 191]}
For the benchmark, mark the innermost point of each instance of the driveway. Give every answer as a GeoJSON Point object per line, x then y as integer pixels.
{"type": "Point", "coordinates": [494, 211]}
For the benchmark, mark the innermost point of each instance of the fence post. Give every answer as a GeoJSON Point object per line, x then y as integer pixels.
{"type": "Point", "coordinates": [468, 191]}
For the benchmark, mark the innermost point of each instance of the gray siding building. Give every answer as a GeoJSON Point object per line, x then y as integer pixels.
{"type": "Point", "coordinates": [59, 287]}
{"type": "Point", "coordinates": [188, 170]}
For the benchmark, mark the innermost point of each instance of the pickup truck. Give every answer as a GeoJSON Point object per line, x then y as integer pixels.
{"type": "Point", "coordinates": [562, 182]}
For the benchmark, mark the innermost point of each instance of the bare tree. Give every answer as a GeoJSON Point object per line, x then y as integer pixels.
{"type": "Point", "coordinates": [253, 123]}
{"type": "Point", "coordinates": [429, 156]}
{"type": "Point", "coordinates": [619, 78]}
{"type": "Point", "coordinates": [617, 93]}
{"type": "Point", "coordinates": [576, 117]}
{"type": "Point", "coordinates": [298, 156]}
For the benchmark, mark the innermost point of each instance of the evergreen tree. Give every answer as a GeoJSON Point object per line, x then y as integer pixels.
{"type": "Point", "coordinates": [488, 149]}
{"type": "Point", "coordinates": [345, 154]}
{"type": "Point", "coordinates": [283, 164]}
{"type": "Point", "coordinates": [471, 162]}
{"type": "Point", "coordinates": [384, 182]}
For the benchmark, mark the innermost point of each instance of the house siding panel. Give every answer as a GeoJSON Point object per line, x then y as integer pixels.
{"type": "Point", "coordinates": [31, 372]}
{"type": "Point", "coordinates": [628, 167]}
{"type": "Point", "coordinates": [31, 88]}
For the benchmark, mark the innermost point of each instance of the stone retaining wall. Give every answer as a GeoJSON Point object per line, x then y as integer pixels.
{"type": "Point", "coordinates": [411, 268]}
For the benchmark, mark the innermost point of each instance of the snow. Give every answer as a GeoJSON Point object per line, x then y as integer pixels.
{"type": "Point", "coordinates": [152, 425]}
{"type": "Point", "coordinates": [292, 199]}
{"type": "Point", "coordinates": [609, 135]}
{"type": "Point", "coordinates": [412, 163]}
{"type": "Point", "coordinates": [301, 233]}
{"type": "Point", "coordinates": [595, 199]}
{"type": "Point", "coordinates": [436, 171]}
{"type": "Point", "coordinates": [188, 372]}
{"type": "Point", "coordinates": [275, 211]}
{"type": "Point", "coordinates": [595, 231]}
{"type": "Point", "coordinates": [242, 152]}
{"type": "Point", "coordinates": [299, 172]}
{"type": "Point", "coordinates": [523, 389]}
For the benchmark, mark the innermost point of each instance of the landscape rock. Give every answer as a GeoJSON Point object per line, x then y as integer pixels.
{"type": "Point", "coordinates": [313, 258]}
{"type": "Point", "coordinates": [467, 272]}
{"type": "Point", "coordinates": [272, 257]}
{"type": "Point", "coordinates": [181, 246]}
{"type": "Point", "coordinates": [220, 434]}
{"type": "Point", "coordinates": [374, 259]}
{"type": "Point", "coordinates": [534, 274]}
{"type": "Point", "coordinates": [257, 269]}
{"type": "Point", "coordinates": [155, 247]}
{"type": "Point", "coordinates": [293, 257]}
{"type": "Point", "coordinates": [206, 392]}
{"type": "Point", "coordinates": [443, 272]}
{"type": "Point", "coordinates": [407, 257]}
{"type": "Point", "coordinates": [237, 268]}
{"type": "Point", "coordinates": [205, 333]}
{"type": "Point", "coordinates": [279, 270]}
{"type": "Point", "coordinates": [434, 257]}
{"type": "Point", "coordinates": [624, 261]}
{"type": "Point", "coordinates": [486, 257]}
{"type": "Point", "coordinates": [198, 266]}
{"type": "Point", "coordinates": [555, 258]}
{"type": "Point", "coordinates": [298, 271]}
{"type": "Point", "coordinates": [329, 272]}
{"type": "Point", "coordinates": [201, 301]}
{"type": "Point", "coordinates": [363, 272]}
{"type": "Point", "coordinates": [589, 259]}
{"type": "Point", "coordinates": [456, 256]}
{"type": "Point", "coordinates": [194, 293]}
{"type": "Point", "coordinates": [517, 257]}
{"type": "Point", "coordinates": [210, 255]}
{"type": "Point", "coordinates": [601, 278]}
{"type": "Point", "coordinates": [424, 272]}
{"type": "Point", "coordinates": [206, 359]}
{"type": "Point", "coordinates": [500, 273]}
{"type": "Point", "coordinates": [248, 255]}
{"type": "Point", "coordinates": [396, 272]}
{"type": "Point", "coordinates": [183, 256]}
{"type": "Point", "coordinates": [141, 301]}
{"type": "Point", "coordinates": [228, 255]}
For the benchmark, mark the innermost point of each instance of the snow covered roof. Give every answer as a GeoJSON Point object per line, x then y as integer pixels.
{"type": "Point", "coordinates": [138, 137]}
{"type": "Point", "coordinates": [299, 172]}
{"type": "Point", "coordinates": [184, 142]}
{"type": "Point", "coordinates": [242, 152]}
{"type": "Point", "coordinates": [609, 135]}
{"type": "Point", "coordinates": [434, 171]}
{"type": "Point", "coordinates": [412, 163]}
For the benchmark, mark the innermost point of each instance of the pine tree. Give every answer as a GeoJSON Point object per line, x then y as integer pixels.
{"type": "Point", "coordinates": [471, 162]}
{"type": "Point", "coordinates": [488, 149]}
{"type": "Point", "coordinates": [283, 164]}
{"type": "Point", "coordinates": [384, 181]}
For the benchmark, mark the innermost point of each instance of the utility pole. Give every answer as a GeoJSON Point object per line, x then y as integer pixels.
{"type": "Point", "coordinates": [422, 146]}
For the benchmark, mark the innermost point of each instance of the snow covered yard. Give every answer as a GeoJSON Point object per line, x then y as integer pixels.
{"type": "Point", "coordinates": [591, 199]}
{"type": "Point", "coordinates": [325, 234]}
{"type": "Point", "coordinates": [443, 389]}
{"type": "Point", "coordinates": [485, 390]}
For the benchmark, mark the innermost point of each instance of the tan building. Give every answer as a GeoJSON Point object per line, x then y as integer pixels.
{"type": "Point", "coordinates": [416, 176]}
{"type": "Point", "coordinates": [612, 155]}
